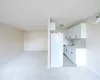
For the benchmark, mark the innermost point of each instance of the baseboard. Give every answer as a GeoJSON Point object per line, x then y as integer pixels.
{"type": "Point", "coordinates": [35, 50]}
{"type": "Point", "coordinates": [94, 72]}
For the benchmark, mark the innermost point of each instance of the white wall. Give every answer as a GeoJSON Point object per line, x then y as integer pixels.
{"type": "Point", "coordinates": [93, 47]}
{"type": "Point", "coordinates": [36, 40]}
{"type": "Point", "coordinates": [11, 42]}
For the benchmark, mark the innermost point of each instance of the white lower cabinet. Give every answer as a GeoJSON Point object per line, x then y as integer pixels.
{"type": "Point", "coordinates": [71, 54]}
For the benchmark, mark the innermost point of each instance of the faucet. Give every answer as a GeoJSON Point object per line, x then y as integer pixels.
{"type": "Point", "coordinates": [72, 42]}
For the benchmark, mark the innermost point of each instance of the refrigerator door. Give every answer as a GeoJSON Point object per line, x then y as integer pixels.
{"type": "Point", "coordinates": [56, 50]}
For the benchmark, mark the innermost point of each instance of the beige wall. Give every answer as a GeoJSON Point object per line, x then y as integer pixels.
{"type": "Point", "coordinates": [35, 40]}
{"type": "Point", "coordinates": [93, 47]}
{"type": "Point", "coordinates": [11, 42]}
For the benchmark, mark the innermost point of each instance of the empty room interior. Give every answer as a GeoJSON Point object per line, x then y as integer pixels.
{"type": "Point", "coordinates": [49, 39]}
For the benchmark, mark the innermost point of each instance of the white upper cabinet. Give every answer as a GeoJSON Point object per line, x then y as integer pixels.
{"type": "Point", "coordinates": [78, 31]}
{"type": "Point", "coordinates": [69, 33]}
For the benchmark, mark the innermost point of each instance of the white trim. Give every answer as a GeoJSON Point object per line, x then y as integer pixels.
{"type": "Point", "coordinates": [94, 71]}
{"type": "Point", "coordinates": [49, 61]}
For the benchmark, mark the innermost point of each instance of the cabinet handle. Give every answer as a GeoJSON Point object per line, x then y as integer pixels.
{"type": "Point", "coordinates": [69, 36]}
{"type": "Point", "coordinates": [75, 36]}
{"type": "Point", "coordinates": [71, 53]}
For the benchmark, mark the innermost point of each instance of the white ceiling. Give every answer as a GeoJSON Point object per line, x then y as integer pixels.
{"type": "Point", "coordinates": [34, 14]}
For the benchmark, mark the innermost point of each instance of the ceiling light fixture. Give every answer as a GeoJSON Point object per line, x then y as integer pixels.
{"type": "Point", "coordinates": [61, 25]}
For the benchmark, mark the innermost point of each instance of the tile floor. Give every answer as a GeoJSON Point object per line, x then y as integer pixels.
{"type": "Point", "coordinates": [32, 66]}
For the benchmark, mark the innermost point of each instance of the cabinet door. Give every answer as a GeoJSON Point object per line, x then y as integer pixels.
{"type": "Point", "coordinates": [77, 31]}
{"type": "Point", "coordinates": [83, 30]}
{"type": "Point", "coordinates": [70, 33]}
{"type": "Point", "coordinates": [73, 32]}
{"type": "Point", "coordinates": [67, 34]}
{"type": "Point", "coordinates": [72, 54]}
{"type": "Point", "coordinates": [66, 50]}
{"type": "Point", "coordinates": [68, 53]}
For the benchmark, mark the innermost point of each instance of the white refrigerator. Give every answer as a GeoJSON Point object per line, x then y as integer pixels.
{"type": "Point", "coordinates": [56, 47]}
